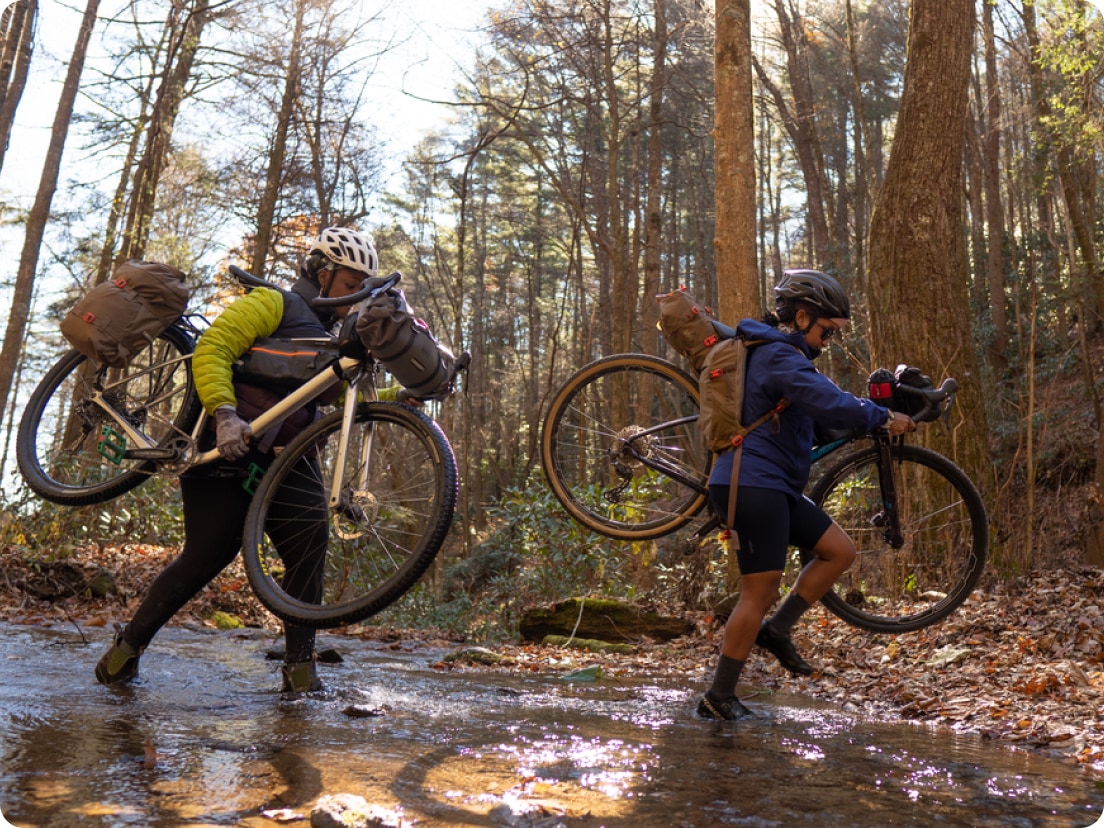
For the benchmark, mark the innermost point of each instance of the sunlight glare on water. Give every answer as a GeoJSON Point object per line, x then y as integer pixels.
{"type": "Point", "coordinates": [204, 739]}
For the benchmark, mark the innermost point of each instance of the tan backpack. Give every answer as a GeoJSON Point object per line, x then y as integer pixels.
{"type": "Point", "coordinates": [721, 392]}
{"type": "Point", "coordinates": [687, 325]}
{"type": "Point", "coordinates": [117, 319]}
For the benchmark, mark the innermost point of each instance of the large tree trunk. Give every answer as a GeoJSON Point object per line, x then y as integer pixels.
{"type": "Point", "coordinates": [40, 211]}
{"type": "Point", "coordinates": [734, 142]}
{"type": "Point", "coordinates": [918, 284]}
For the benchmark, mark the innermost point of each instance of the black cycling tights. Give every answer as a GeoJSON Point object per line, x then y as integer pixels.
{"type": "Point", "coordinates": [214, 516]}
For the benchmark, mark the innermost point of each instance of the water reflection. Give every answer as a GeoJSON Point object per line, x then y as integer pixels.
{"type": "Point", "coordinates": [205, 740]}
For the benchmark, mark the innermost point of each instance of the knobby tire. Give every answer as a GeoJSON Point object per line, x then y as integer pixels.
{"type": "Point", "coordinates": [380, 538]}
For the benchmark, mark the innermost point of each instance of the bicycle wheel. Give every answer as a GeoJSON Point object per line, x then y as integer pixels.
{"type": "Point", "coordinates": [621, 447]}
{"type": "Point", "coordinates": [946, 537]}
{"type": "Point", "coordinates": [58, 448]}
{"type": "Point", "coordinates": [325, 567]}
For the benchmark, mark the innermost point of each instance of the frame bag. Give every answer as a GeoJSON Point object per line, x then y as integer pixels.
{"type": "Point", "coordinates": [284, 364]}
{"type": "Point", "coordinates": [404, 344]}
{"type": "Point", "coordinates": [117, 319]}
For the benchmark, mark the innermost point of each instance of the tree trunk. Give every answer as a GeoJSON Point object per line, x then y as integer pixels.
{"type": "Point", "coordinates": [178, 68]}
{"type": "Point", "coordinates": [40, 211]}
{"type": "Point", "coordinates": [654, 207]}
{"type": "Point", "coordinates": [994, 208]}
{"type": "Point", "coordinates": [18, 27]}
{"type": "Point", "coordinates": [266, 210]}
{"type": "Point", "coordinates": [734, 143]}
{"type": "Point", "coordinates": [918, 285]}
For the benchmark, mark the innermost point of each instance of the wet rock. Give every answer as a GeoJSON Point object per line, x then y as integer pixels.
{"type": "Point", "coordinates": [476, 655]}
{"type": "Point", "coordinates": [351, 811]}
{"type": "Point", "coordinates": [591, 673]}
{"type": "Point", "coordinates": [601, 619]}
{"type": "Point", "coordinates": [362, 711]}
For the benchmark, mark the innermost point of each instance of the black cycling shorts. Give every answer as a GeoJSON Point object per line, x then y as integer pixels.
{"type": "Point", "coordinates": [768, 523]}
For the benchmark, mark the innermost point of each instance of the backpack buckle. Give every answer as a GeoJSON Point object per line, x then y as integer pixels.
{"type": "Point", "coordinates": [710, 341]}
{"type": "Point", "coordinates": [738, 441]}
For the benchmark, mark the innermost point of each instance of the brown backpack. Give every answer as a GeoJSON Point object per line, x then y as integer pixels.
{"type": "Point", "coordinates": [117, 319]}
{"type": "Point", "coordinates": [721, 392]}
{"type": "Point", "coordinates": [687, 325]}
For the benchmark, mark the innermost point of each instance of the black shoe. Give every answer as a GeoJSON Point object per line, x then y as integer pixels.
{"type": "Point", "coordinates": [782, 647]}
{"type": "Point", "coordinates": [120, 663]}
{"type": "Point", "coordinates": [730, 709]}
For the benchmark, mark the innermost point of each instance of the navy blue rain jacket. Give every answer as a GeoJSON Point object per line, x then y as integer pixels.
{"type": "Point", "coordinates": [777, 455]}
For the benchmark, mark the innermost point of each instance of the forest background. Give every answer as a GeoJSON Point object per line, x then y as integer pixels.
{"type": "Point", "coordinates": [572, 177]}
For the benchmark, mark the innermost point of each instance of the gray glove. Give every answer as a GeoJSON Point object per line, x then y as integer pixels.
{"type": "Point", "coordinates": [233, 433]}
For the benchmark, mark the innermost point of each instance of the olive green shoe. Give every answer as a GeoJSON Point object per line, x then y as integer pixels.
{"type": "Point", "coordinates": [300, 677]}
{"type": "Point", "coordinates": [120, 663]}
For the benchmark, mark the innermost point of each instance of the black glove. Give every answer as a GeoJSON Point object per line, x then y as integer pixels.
{"type": "Point", "coordinates": [233, 433]}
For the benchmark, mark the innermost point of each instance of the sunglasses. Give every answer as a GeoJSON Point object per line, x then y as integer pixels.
{"type": "Point", "coordinates": [826, 332]}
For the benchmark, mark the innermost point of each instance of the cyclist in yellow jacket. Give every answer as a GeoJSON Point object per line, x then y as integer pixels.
{"type": "Point", "coordinates": [214, 498]}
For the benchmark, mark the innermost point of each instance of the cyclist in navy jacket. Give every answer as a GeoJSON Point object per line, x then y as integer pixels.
{"type": "Point", "coordinates": [772, 514]}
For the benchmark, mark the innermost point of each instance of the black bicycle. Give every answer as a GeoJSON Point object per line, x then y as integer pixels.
{"type": "Point", "coordinates": [623, 454]}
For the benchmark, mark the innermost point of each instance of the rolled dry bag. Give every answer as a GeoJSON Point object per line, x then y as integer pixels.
{"type": "Point", "coordinates": [404, 344]}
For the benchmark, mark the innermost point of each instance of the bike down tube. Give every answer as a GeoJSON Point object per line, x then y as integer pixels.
{"type": "Point", "coordinates": [292, 402]}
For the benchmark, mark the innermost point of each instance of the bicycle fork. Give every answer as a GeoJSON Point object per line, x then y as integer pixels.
{"type": "Point", "coordinates": [343, 493]}
{"type": "Point", "coordinates": [889, 519]}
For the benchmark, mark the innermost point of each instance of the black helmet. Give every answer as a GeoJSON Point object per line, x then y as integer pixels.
{"type": "Point", "coordinates": [815, 288]}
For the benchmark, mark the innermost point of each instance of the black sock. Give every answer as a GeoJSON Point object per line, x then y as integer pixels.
{"type": "Point", "coordinates": [786, 616]}
{"type": "Point", "coordinates": [726, 677]}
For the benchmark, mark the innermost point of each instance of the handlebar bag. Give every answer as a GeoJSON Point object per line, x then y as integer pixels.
{"type": "Point", "coordinates": [405, 346]}
{"type": "Point", "coordinates": [117, 319]}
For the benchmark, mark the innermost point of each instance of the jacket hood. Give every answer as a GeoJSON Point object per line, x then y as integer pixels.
{"type": "Point", "coordinates": [753, 329]}
{"type": "Point", "coordinates": [309, 290]}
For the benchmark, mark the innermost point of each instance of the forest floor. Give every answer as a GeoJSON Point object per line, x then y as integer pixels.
{"type": "Point", "coordinates": [1021, 663]}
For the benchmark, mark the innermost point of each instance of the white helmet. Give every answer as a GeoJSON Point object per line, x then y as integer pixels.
{"type": "Point", "coordinates": [342, 247]}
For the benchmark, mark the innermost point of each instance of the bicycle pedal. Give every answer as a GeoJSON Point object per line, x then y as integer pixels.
{"type": "Point", "coordinates": [111, 444]}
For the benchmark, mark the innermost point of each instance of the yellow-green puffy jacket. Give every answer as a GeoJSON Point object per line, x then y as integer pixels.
{"type": "Point", "coordinates": [258, 313]}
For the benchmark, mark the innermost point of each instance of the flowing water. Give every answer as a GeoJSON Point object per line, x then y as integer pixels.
{"type": "Point", "coordinates": [203, 739]}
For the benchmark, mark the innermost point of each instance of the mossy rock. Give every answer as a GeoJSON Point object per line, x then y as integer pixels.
{"type": "Point", "coordinates": [226, 621]}
{"type": "Point", "coordinates": [589, 644]}
{"type": "Point", "coordinates": [477, 655]}
{"type": "Point", "coordinates": [602, 619]}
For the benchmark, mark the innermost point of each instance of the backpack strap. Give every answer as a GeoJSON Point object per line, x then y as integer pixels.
{"type": "Point", "coordinates": [738, 445]}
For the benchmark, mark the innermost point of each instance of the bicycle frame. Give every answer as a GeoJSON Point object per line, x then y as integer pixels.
{"type": "Point", "coordinates": [146, 449]}
{"type": "Point", "coordinates": [886, 478]}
